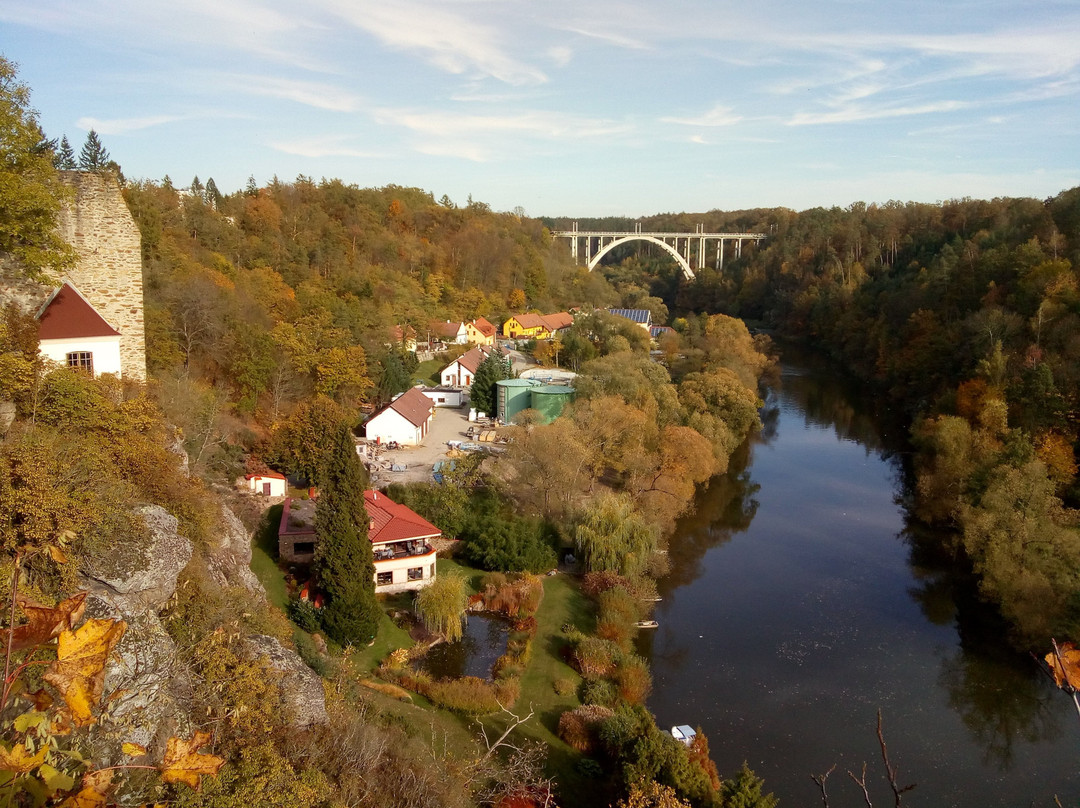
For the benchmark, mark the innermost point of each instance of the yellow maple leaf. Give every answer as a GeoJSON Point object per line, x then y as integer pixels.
{"type": "Point", "coordinates": [133, 749]}
{"type": "Point", "coordinates": [79, 670]}
{"type": "Point", "coordinates": [1064, 663]}
{"type": "Point", "coordinates": [20, 761]}
{"type": "Point", "coordinates": [184, 764]}
{"type": "Point", "coordinates": [94, 791]}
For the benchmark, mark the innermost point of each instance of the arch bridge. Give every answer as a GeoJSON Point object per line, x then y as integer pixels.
{"type": "Point", "coordinates": [683, 247]}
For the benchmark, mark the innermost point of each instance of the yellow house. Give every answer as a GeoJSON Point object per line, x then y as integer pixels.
{"type": "Point", "coordinates": [480, 332]}
{"type": "Point", "coordinates": [527, 326]}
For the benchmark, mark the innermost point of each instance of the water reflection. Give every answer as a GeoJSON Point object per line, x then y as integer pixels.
{"type": "Point", "coordinates": [483, 642]}
{"type": "Point", "coordinates": [803, 597]}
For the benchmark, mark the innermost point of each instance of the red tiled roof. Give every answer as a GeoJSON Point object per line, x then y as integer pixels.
{"type": "Point", "coordinates": [484, 327]}
{"type": "Point", "coordinates": [67, 315]}
{"type": "Point", "coordinates": [442, 329]}
{"type": "Point", "coordinates": [529, 320]}
{"type": "Point", "coordinates": [413, 406]}
{"type": "Point", "coordinates": [393, 522]}
{"type": "Point", "coordinates": [270, 475]}
{"type": "Point", "coordinates": [560, 319]}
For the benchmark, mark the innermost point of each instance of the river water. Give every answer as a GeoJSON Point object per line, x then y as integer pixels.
{"type": "Point", "coordinates": [799, 605]}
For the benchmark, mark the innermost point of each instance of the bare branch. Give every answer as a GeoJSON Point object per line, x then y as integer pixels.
{"type": "Point", "coordinates": [820, 780]}
{"type": "Point", "coordinates": [890, 770]}
{"type": "Point", "coordinates": [861, 783]}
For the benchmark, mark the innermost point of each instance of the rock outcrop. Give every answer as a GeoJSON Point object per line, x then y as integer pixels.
{"type": "Point", "coordinates": [230, 559]}
{"type": "Point", "coordinates": [301, 688]}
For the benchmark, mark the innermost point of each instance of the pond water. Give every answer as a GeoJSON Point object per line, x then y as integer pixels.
{"type": "Point", "coordinates": [474, 654]}
{"type": "Point", "coordinates": [800, 604]}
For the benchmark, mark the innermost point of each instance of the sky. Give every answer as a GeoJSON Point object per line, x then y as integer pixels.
{"type": "Point", "coordinates": [584, 108]}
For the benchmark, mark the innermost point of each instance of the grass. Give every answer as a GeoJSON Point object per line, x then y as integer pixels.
{"type": "Point", "coordinates": [429, 371]}
{"type": "Point", "coordinates": [264, 558]}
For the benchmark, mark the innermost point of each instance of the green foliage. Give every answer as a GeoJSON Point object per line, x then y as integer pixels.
{"type": "Point", "coordinates": [482, 392]}
{"type": "Point", "coordinates": [744, 790]}
{"type": "Point", "coordinates": [30, 190]}
{"type": "Point", "coordinates": [260, 775]}
{"type": "Point", "coordinates": [611, 537]}
{"type": "Point", "coordinates": [93, 156]}
{"type": "Point", "coordinates": [343, 560]}
{"type": "Point", "coordinates": [441, 605]}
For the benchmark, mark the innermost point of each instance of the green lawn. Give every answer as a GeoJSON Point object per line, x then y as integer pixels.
{"type": "Point", "coordinates": [264, 558]}
{"type": "Point", "coordinates": [429, 371]}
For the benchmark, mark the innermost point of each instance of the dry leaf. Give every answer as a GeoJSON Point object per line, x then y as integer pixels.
{"type": "Point", "coordinates": [184, 764]}
{"type": "Point", "coordinates": [1065, 665]}
{"type": "Point", "coordinates": [41, 699]}
{"type": "Point", "coordinates": [57, 555]}
{"type": "Point", "coordinates": [79, 670]}
{"type": "Point", "coordinates": [20, 761]}
{"type": "Point", "coordinates": [95, 788]}
{"type": "Point", "coordinates": [45, 623]}
{"type": "Point", "coordinates": [133, 749]}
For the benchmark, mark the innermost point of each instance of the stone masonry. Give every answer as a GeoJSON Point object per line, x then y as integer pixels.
{"type": "Point", "coordinates": [109, 270]}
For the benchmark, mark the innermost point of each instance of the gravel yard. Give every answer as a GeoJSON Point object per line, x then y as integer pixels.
{"type": "Point", "coordinates": [448, 424]}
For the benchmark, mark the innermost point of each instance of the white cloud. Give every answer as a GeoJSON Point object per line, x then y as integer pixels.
{"type": "Point", "coordinates": [313, 94]}
{"type": "Point", "coordinates": [329, 146]}
{"type": "Point", "coordinates": [850, 114]}
{"type": "Point", "coordinates": [719, 115]}
{"type": "Point", "coordinates": [534, 123]}
{"type": "Point", "coordinates": [560, 55]}
{"type": "Point", "coordinates": [121, 126]}
{"type": "Point", "coordinates": [452, 42]}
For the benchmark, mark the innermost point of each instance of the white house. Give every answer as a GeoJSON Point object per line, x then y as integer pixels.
{"type": "Point", "coordinates": [462, 371]}
{"type": "Point", "coordinates": [269, 484]}
{"type": "Point", "coordinates": [406, 419]}
{"type": "Point", "coordinates": [400, 544]}
{"type": "Point", "coordinates": [73, 333]}
{"type": "Point", "coordinates": [455, 333]}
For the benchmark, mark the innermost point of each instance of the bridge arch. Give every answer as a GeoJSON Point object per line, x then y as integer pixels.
{"type": "Point", "coordinates": [604, 250]}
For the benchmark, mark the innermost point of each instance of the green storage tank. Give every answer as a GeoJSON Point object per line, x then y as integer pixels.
{"type": "Point", "coordinates": [512, 396]}
{"type": "Point", "coordinates": [550, 399]}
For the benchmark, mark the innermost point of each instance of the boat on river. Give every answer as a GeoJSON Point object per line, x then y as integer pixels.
{"type": "Point", "coordinates": [646, 624]}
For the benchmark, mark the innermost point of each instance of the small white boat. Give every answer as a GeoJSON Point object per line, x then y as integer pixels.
{"type": "Point", "coordinates": [684, 734]}
{"type": "Point", "coordinates": [646, 624]}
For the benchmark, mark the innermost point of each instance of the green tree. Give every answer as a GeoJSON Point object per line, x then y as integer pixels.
{"type": "Point", "coordinates": [65, 158]}
{"type": "Point", "coordinates": [343, 559]}
{"type": "Point", "coordinates": [744, 791]}
{"type": "Point", "coordinates": [213, 195]}
{"type": "Point", "coordinates": [441, 606]}
{"type": "Point", "coordinates": [93, 156]}
{"type": "Point", "coordinates": [612, 537]}
{"type": "Point", "coordinates": [482, 393]}
{"type": "Point", "coordinates": [30, 189]}
{"type": "Point", "coordinates": [394, 378]}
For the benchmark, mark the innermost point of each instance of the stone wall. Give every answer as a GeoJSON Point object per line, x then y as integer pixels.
{"type": "Point", "coordinates": [109, 270]}
{"type": "Point", "coordinates": [109, 273]}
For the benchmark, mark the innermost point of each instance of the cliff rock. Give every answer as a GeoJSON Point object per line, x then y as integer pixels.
{"type": "Point", "coordinates": [301, 687]}
{"type": "Point", "coordinates": [230, 559]}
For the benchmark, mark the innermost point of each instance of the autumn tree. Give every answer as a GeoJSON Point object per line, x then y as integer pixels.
{"type": "Point", "coordinates": [441, 606]}
{"type": "Point", "coordinates": [343, 560]}
{"type": "Point", "coordinates": [611, 537]}
{"type": "Point", "coordinates": [30, 190]}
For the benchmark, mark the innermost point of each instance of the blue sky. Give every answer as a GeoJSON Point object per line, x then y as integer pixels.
{"type": "Point", "coordinates": [592, 107]}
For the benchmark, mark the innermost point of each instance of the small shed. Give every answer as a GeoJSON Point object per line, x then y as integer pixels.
{"type": "Point", "coordinates": [513, 397]}
{"type": "Point", "coordinates": [269, 483]}
{"type": "Point", "coordinates": [550, 400]}
{"type": "Point", "coordinates": [683, 733]}
{"type": "Point", "coordinates": [444, 396]}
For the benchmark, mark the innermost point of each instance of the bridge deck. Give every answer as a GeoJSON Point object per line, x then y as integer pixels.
{"type": "Point", "coordinates": [660, 235]}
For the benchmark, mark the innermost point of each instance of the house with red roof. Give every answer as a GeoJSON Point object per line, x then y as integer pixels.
{"type": "Point", "coordinates": [73, 333]}
{"type": "Point", "coordinates": [537, 326]}
{"type": "Point", "coordinates": [268, 483]}
{"type": "Point", "coordinates": [462, 371]}
{"type": "Point", "coordinates": [481, 332]}
{"type": "Point", "coordinates": [448, 332]}
{"type": "Point", "coordinates": [401, 541]}
{"type": "Point", "coordinates": [406, 419]}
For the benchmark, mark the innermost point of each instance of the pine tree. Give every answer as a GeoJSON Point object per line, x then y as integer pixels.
{"type": "Point", "coordinates": [65, 158]}
{"type": "Point", "coordinates": [343, 560]}
{"type": "Point", "coordinates": [93, 156]}
{"type": "Point", "coordinates": [197, 187]}
{"type": "Point", "coordinates": [213, 195]}
{"type": "Point", "coordinates": [482, 392]}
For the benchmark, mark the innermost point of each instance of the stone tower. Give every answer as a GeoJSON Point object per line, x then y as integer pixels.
{"type": "Point", "coordinates": [100, 227]}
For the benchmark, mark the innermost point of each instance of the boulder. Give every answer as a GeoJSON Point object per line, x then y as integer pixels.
{"type": "Point", "coordinates": [301, 688]}
{"type": "Point", "coordinates": [143, 578]}
{"type": "Point", "coordinates": [147, 685]}
{"type": "Point", "coordinates": [230, 559]}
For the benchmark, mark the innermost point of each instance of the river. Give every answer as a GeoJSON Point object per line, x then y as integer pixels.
{"type": "Point", "coordinates": [799, 604]}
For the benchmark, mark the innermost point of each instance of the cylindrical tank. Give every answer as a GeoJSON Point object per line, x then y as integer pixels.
{"type": "Point", "coordinates": [512, 396]}
{"type": "Point", "coordinates": [550, 399]}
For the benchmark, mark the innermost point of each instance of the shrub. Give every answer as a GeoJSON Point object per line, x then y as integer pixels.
{"type": "Point", "coordinates": [594, 657]}
{"type": "Point", "coordinates": [617, 604]}
{"type": "Point", "coordinates": [615, 631]}
{"type": "Point", "coordinates": [518, 598]}
{"type": "Point", "coordinates": [564, 686]}
{"type": "Point", "coordinates": [304, 614]}
{"type": "Point", "coordinates": [579, 727]}
{"type": "Point", "coordinates": [593, 583]}
{"type": "Point", "coordinates": [472, 696]}
{"type": "Point", "coordinates": [599, 691]}
{"type": "Point", "coordinates": [632, 680]}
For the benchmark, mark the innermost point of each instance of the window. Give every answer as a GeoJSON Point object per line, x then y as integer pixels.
{"type": "Point", "coordinates": [301, 548]}
{"type": "Point", "coordinates": [384, 578]}
{"type": "Point", "coordinates": [81, 360]}
{"type": "Point", "coordinates": [416, 573]}
{"type": "Point", "coordinates": [468, 381]}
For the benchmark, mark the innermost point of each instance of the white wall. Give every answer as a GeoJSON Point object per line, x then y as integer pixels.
{"type": "Point", "coordinates": [390, 425]}
{"type": "Point", "coordinates": [106, 351]}
{"type": "Point", "coordinates": [400, 568]}
{"type": "Point", "coordinates": [451, 398]}
{"type": "Point", "coordinates": [277, 486]}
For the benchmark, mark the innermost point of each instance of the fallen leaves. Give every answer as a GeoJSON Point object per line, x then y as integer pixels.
{"type": "Point", "coordinates": [79, 670]}
{"type": "Point", "coordinates": [46, 623]}
{"type": "Point", "coordinates": [1064, 662]}
{"type": "Point", "coordinates": [183, 763]}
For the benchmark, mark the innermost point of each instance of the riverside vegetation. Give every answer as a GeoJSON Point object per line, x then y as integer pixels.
{"type": "Point", "coordinates": [269, 316]}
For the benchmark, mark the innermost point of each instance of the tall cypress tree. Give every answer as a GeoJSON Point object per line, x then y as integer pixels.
{"type": "Point", "coordinates": [343, 559]}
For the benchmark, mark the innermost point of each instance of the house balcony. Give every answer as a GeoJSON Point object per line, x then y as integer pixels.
{"type": "Point", "coordinates": [394, 551]}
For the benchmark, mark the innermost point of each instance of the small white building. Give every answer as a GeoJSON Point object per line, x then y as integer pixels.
{"type": "Point", "coordinates": [400, 544]}
{"type": "Point", "coordinates": [269, 484]}
{"type": "Point", "coordinates": [444, 396]}
{"type": "Point", "coordinates": [462, 371]}
{"type": "Point", "coordinates": [72, 333]}
{"type": "Point", "coordinates": [406, 419]}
